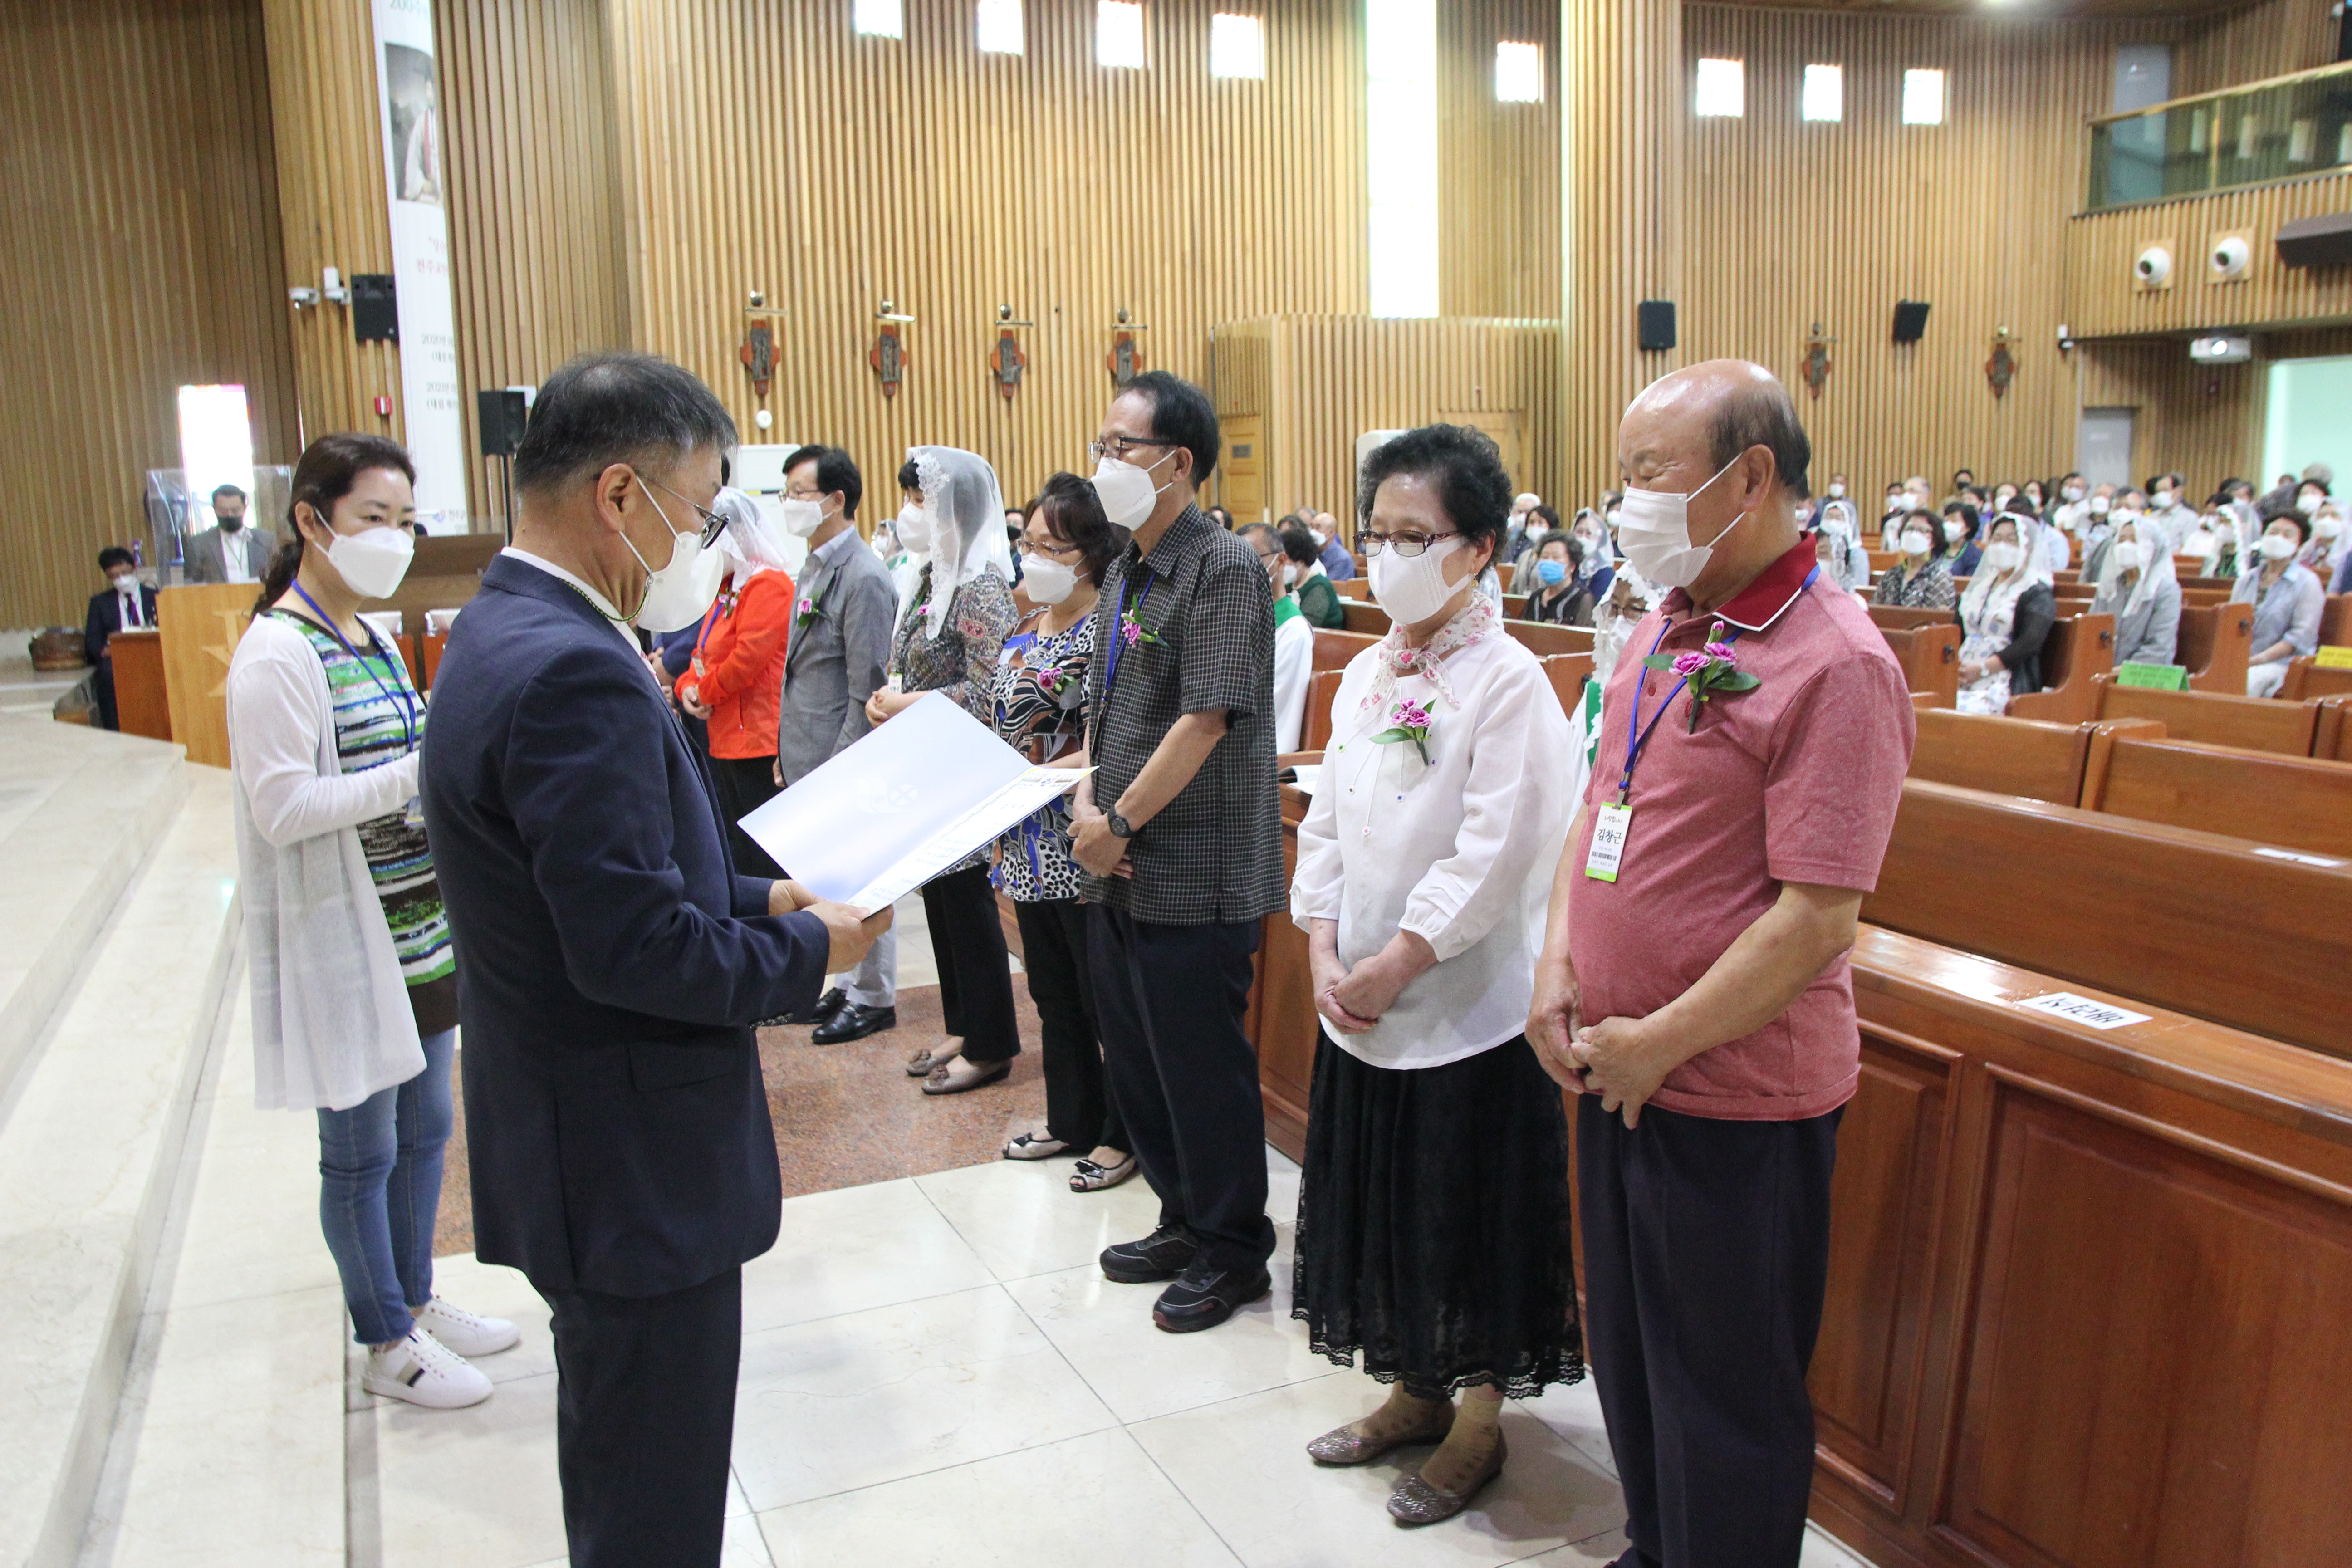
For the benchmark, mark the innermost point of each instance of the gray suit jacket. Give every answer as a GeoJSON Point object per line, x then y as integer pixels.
{"type": "Point", "coordinates": [204, 555]}
{"type": "Point", "coordinates": [835, 661]}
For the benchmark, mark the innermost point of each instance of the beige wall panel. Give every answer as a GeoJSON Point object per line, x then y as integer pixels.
{"type": "Point", "coordinates": [2205, 420]}
{"type": "Point", "coordinates": [140, 240]}
{"type": "Point", "coordinates": [329, 145]}
{"type": "Point", "coordinates": [1499, 244]}
{"type": "Point", "coordinates": [1795, 222]}
{"type": "Point", "coordinates": [2257, 41]}
{"type": "Point", "coordinates": [2103, 297]}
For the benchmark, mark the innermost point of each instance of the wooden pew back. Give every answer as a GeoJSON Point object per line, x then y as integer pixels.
{"type": "Point", "coordinates": [2079, 647]}
{"type": "Point", "coordinates": [1322, 687]}
{"type": "Point", "coordinates": [2333, 737]}
{"type": "Point", "coordinates": [1930, 657]}
{"type": "Point", "coordinates": [2294, 803]}
{"type": "Point", "coordinates": [2336, 620]}
{"type": "Point", "coordinates": [2003, 756]}
{"type": "Point", "coordinates": [1568, 673]}
{"type": "Point", "coordinates": [1905, 618]}
{"type": "Point", "coordinates": [1333, 650]}
{"type": "Point", "coordinates": [2215, 640]}
{"type": "Point", "coordinates": [1363, 617]}
{"type": "Point", "coordinates": [2256, 723]}
{"type": "Point", "coordinates": [2140, 909]}
{"type": "Point", "coordinates": [1355, 590]}
{"type": "Point", "coordinates": [2306, 679]}
{"type": "Point", "coordinates": [1543, 641]}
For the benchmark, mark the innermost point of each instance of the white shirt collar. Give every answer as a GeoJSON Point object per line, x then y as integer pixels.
{"type": "Point", "coordinates": [605, 607]}
{"type": "Point", "coordinates": [833, 548]}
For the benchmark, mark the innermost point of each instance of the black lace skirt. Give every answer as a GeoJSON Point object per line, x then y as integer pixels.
{"type": "Point", "coordinates": [1434, 1223]}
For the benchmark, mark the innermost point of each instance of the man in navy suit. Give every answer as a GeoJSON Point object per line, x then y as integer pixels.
{"type": "Point", "coordinates": [612, 962]}
{"type": "Point", "coordinates": [126, 605]}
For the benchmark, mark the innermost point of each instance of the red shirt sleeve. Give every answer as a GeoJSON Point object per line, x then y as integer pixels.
{"type": "Point", "coordinates": [1835, 775]}
{"type": "Point", "coordinates": [763, 619]}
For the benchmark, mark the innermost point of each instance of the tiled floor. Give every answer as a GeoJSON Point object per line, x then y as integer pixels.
{"type": "Point", "coordinates": [934, 1373]}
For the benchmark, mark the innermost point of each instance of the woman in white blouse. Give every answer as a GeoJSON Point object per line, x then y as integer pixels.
{"type": "Point", "coordinates": [354, 980]}
{"type": "Point", "coordinates": [1434, 1214]}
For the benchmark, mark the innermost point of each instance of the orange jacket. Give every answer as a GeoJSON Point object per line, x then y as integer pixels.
{"type": "Point", "coordinates": [739, 666]}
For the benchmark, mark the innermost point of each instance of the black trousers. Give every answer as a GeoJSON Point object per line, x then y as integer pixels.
{"type": "Point", "coordinates": [644, 1413]}
{"type": "Point", "coordinates": [1079, 1109]}
{"type": "Point", "coordinates": [1707, 1249]}
{"type": "Point", "coordinates": [1170, 1000]}
{"type": "Point", "coordinates": [975, 971]}
{"type": "Point", "coordinates": [101, 687]}
{"type": "Point", "coordinates": [746, 784]}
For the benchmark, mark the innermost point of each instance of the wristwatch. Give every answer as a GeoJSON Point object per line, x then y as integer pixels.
{"type": "Point", "coordinates": [1120, 826]}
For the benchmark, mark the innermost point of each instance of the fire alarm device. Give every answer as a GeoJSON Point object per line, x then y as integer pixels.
{"type": "Point", "coordinates": [383, 405]}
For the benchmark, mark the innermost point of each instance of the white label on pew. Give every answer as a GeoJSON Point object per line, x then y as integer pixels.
{"type": "Point", "coordinates": [2082, 1010]}
{"type": "Point", "coordinates": [2299, 858]}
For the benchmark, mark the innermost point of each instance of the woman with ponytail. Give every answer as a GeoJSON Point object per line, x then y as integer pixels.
{"type": "Point", "coordinates": [354, 983]}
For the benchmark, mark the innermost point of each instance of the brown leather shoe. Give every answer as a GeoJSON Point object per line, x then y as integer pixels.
{"type": "Point", "coordinates": [1415, 1502]}
{"type": "Point", "coordinates": [1342, 1447]}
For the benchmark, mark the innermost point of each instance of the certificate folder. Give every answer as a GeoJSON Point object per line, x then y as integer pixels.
{"type": "Point", "coordinates": [902, 804]}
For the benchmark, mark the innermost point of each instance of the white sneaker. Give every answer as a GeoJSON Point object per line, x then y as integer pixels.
{"type": "Point", "coordinates": [422, 1371]}
{"type": "Point", "coordinates": [468, 1333]}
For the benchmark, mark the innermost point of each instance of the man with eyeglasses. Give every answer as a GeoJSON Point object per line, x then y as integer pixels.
{"type": "Point", "coordinates": [1178, 834]}
{"type": "Point", "coordinates": [614, 962]}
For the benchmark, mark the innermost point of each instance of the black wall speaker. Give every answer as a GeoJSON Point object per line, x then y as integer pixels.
{"type": "Point", "coordinates": [2322, 241]}
{"type": "Point", "coordinates": [1655, 320]}
{"type": "Point", "coordinates": [375, 313]}
{"type": "Point", "coordinates": [500, 415]}
{"type": "Point", "coordinates": [1910, 321]}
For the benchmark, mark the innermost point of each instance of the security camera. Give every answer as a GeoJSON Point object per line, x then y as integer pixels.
{"type": "Point", "coordinates": [2229, 257]}
{"type": "Point", "coordinates": [2154, 265]}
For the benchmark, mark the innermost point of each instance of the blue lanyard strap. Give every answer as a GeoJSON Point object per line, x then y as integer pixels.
{"type": "Point", "coordinates": [405, 706]}
{"type": "Point", "coordinates": [1637, 738]}
{"type": "Point", "coordinates": [1119, 628]}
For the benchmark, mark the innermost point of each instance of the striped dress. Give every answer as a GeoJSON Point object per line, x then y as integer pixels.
{"type": "Point", "coordinates": [378, 719]}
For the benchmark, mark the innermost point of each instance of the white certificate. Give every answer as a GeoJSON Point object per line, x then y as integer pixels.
{"type": "Point", "coordinates": [902, 804]}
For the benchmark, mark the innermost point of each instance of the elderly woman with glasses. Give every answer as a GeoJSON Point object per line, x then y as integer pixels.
{"type": "Point", "coordinates": [1433, 1212]}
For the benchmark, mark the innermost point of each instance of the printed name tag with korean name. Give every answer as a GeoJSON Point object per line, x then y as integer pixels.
{"type": "Point", "coordinates": [1609, 831]}
{"type": "Point", "coordinates": [2082, 1010]}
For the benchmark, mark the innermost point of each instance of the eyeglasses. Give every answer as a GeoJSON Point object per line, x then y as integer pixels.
{"type": "Point", "coordinates": [1121, 446]}
{"type": "Point", "coordinates": [713, 524]}
{"type": "Point", "coordinates": [1406, 545]}
{"type": "Point", "coordinates": [1059, 552]}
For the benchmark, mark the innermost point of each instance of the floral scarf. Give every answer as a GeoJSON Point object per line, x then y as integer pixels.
{"type": "Point", "coordinates": [1396, 658]}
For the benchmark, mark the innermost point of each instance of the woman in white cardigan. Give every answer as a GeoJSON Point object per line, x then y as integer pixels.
{"type": "Point", "coordinates": [354, 983]}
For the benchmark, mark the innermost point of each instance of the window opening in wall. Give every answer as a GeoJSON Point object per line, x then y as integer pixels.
{"type": "Point", "coordinates": [1722, 89]}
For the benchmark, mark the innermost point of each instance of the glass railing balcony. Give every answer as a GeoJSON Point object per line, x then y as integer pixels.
{"type": "Point", "coordinates": [2283, 129]}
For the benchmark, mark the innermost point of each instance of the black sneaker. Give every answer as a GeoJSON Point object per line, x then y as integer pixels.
{"type": "Point", "coordinates": [855, 1021]}
{"type": "Point", "coordinates": [1163, 1254]}
{"type": "Point", "coordinates": [1206, 1296]}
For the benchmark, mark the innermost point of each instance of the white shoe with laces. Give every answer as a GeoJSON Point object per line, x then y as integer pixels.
{"type": "Point", "coordinates": [422, 1371]}
{"type": "Point", "coordinates": [468, 1333]}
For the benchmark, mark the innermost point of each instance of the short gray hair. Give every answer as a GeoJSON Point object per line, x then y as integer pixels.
{"type": "Point", "coordinates": [606, 408]}
{"type": "Point", "coordinates": [1759, 412]}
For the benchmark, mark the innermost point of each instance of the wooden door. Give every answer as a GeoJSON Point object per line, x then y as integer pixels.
{"type": "Point", "coordinates": [1241, 472]}
{"type": "Point", "coordinates": [1502, 425]}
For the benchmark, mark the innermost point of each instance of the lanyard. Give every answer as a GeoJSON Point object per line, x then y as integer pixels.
{"type": "Point", "coordinates": [1118, 629]}
{"type": "Point", "coordinates": [405, 705]}
{"type": "Point", "coordinates": [1637, 739]}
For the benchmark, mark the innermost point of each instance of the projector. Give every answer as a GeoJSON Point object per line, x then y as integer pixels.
{"type": "Point", "coordinates": [2222, 351]}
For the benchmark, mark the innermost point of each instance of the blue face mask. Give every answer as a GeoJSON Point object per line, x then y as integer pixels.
{"type": "Point", "coordinates": [1552, 574]}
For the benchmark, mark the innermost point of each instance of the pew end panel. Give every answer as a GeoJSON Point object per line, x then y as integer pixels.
{"type": "Point", "coordinates": [2336, 620]}
{"type": "Point", "coordinates": [1930, 657]}
{"type": "Point", "coordinates": [1358, 590]}
{"type": "Point", "coordinates": [2079, 648]}
{"type": "Point", "coordinates": [2307, 679]}
{"type": "Point", "coordinates": [1322, 691]}
{"type": "Point", "coordinates": [1568, 673]}
{"type": "Point", "coordinates": [1363, 617]}
{"type": "Point", "coordinates": [2214, 644]}
{"type": "Point", "coordinates": [2331, 737]}
{"type": "Point", "coordinates": [1282, 1021]}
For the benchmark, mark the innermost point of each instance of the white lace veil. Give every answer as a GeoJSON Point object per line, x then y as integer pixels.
{"type": "Point", "coordinates": [750, 541]}
{"type": "Point", "coordinates": [2154, 573]}
{"type": "Point", "coordinates": [1990, 603]}
{"type": "Point", "coordinates": [967, 508]}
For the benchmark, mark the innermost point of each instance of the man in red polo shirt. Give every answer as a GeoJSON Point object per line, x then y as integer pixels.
{"type": "Point", "coordinates": [1695, 983]}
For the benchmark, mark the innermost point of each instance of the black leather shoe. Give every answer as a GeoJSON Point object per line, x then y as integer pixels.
{"type": "Point", "coordinates": [855, 1021]}
{"type": "Point", "coordinates": [1206, 1296]}
{"type": "Point", "coordinates": [824, 1007]}
{"type": "Point", "coordinates": [1163, 1254]}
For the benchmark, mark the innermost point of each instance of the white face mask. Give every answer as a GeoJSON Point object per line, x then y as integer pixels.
{"type": "Point", "coordinates": [1836, 490]}
{"type": "Point", "coordinates": [1915, 541]}
{"type": "Point", "coordinates": [1955, 531]}
{"type": "Point", "coordinates": [1290, 575]}
{"type": "Point", "coordinates": [1614, 513]}
{"type": "Point", "coordinates": [2123, 514]}
{"type": "Point", "coordinates": [1656, 534]}
{"type": "Point", "coordinates": [122, 584]}
{"type": "Point", "coordinates": [2004, 555]}
{"type": "Point", "coordinates": [2073, 492]}
{"type": "Point", "coordinates": [372, 561]}
{"type": "Point", "coordinates": [2307, 504]}
{"type": "Point", "coordinates": [2099, 505]}
{"type": "Point", "coordinates": [914, 529]}
{"type": "Point", "coordinates": [2164, 500]}
{"type": "Point", "coordinates": [1320, 538]}
{"type": "Point", "coordinates": [1125, 491]}
{"type": "Point", "coordinates": [2326, 527]}
{"type": "Point", "coordinates": [2128, 555]}
{"type": "Point", "coordinates": [1047, 581]}
{"type": "Point", "coordinates": [802, 518]}
{"type": "Point", "coordinates": [679, 593]}
{"type": "Point", "coordinates": [1412, 591]}
{"type": "Point", "coordinates": [2277, 547]}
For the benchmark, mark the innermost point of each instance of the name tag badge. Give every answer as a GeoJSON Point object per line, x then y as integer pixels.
{"type": "Point", "coordinates": [1609, 831]}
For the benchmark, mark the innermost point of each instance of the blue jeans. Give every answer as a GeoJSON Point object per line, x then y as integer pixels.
{"type": "Point", "coordinates": [380, 1194]}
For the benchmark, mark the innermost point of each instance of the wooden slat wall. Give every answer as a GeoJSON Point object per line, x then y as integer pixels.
{"type": "Point", "coordinates": [758, 145]}
{"type": "Point", "coordinates": [1793, 223]}
{"type": "Point", "coordinates": [2105, 297]}
{"type": "Point", "coordinates": [329, 143]}
{"type": "Point", "coordinates": [533, 182]}
{"type": "Point", "coordinates": [140, 241]}
{"type": "Point", "coordinates": [1500, 201]}
{"type": "Point", "coordinates": [2207, 421]}
{"type": "Point", "coordinates": [2267, 39]}
{"type": "Point", "coordinates": [1318, 382]}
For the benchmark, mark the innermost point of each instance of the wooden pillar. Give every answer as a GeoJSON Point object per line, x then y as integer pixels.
{"type": "Point", "coordinates": [1622, 236]}
{"type": "Point", "coordinates": [331, 204]}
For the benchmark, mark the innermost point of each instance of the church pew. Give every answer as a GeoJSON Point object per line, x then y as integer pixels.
{"type": "Point", "coordinates": [1905, 618]}
{"type": "Point", "coordinates": [1315, 732]}
{"type": "Point", "coordinates": [2213, 643]}
{"type": "Point", "coordinates": [1568, 673]}
{"type": "Point", "coordinates": [2294, 803]}
{"type": "Point", "coordinates": [1363, 617]}
{"type": "Point", "coordinates": [1333, 649]}
{"type": "Point", "coordinates": [1544, 640]}
{"type": "Point", "coordinates": [2142, 908]}
{"type": "Point", "coordinates": [2079, 647]}
{"type": "Point", "coordinates": [2336, 620]}
{"type": "Point", "coordinates": [1514, 605]}
{"type": "Point", "coordinates": [1930, 657]}
{"type": "Point", "coordinates": [2260, 724]}
{"type": "Point", "coordinates": [2305, 677]}
{"type": "Point", "coordinates": [2004, 756]}
{"type": "Point", "coordinates": [1930, 702]}
{"type": "Point", "coordinates": [2332, 739]}
{"type": "Point", "coordinates": [1359, 589]}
